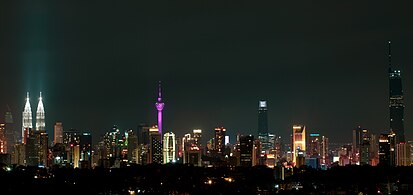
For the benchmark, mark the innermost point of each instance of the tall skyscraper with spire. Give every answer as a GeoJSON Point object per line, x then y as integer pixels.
{"type": "Point", "coordinates": [262, 118]}
{"type": "Point", "coordinates": [40, 118]}
{"type": "Point", "coordinates": [263, 135]}
{"type": "Point", "coordinates": [159, 106]}
{"type": "Point", "coordinates": [396, 103]}
{"type": "Point", "coordinates": [27, 116]}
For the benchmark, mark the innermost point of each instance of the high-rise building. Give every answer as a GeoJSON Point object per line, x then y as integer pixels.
{"type": "Point", "coordinates": [71, 136]}
{"type": "Point", "coordinates": [384, 149]}
{"type": "Point", "coordinates": [169, 148]}
{"type": "Point", "coordinates": [396, 103]}
{"type": "Point", "coordinates": [324, 152]}
{"type": "Point", "coordinates": [356, 145]}
{"type": "Point", "coordinates": [410, 145]}
{"type": "Point", "coordinates": [392, 140]}
{"type": "Point", "coordinates": [374, 150]}
{"type": "Point", "coordinates": [71, 140]}
{"type": "Point", "coordinates": [263, 126]}
{"type": "Point", "coordinates": [10, 133]}
{"type": "Point", "coordinates": [278, 146]}
{"type": "Point", "coordinates": [40, 115]}
{"type": "Point", "coordinates": [219, 140]}
{"type": "Point", "coordinates": [3, 141]}
{"type": "Point", "coordinates": [32, 149]}
{"type": "Point", "coordinates": [27, 118]}
{"type": "Point", "coordinates": [299, 144]}
{"type": "Point", "coordinates": [19, 154]}
{"type": "Point", "coordinates": [133, 147]}
{"type": "Point", "coordinates": [85, 148]}
{"type": "Point", "coordinates": [314, 143]}
{"type": "Point", "coordinates": [197, 137]}
{"type": "Point", "coordinates": [143, 144]}
{"type": "Point", "coordinates": [37, 149]}
{"type": "Point", "coordinates": [155, 143]}
{"type": "Point", "coordinates": [159, 106]}
{"type": "Point", "coordinates": [58, 133]}
{"type": "Point", "coordinates": [143, 134]}
{"type": "Point", "coordinates": [43, 140]}
{"type": "Point", "coordinates": [402, 154]}
{"type": "Point", "coordinates": [365, 149]}
{"type": "Point", "coordinates": [246, 150]}
{"type": "Point", "coordinates": [262, 118]}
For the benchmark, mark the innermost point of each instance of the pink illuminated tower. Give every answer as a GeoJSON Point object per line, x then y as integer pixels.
{"type": "Point", "coordinates": [159, 106]}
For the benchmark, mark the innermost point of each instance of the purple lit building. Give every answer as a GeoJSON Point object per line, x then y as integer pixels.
{"type": "Point", "coordinates": [159, 106]}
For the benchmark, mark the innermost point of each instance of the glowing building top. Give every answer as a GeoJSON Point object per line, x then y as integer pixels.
{"type": "Point", "coordinates": [159, 106]}
{"type": "Point", "coordinates": [40, 118]}
{"type": "Point", "coordinates": [27, 115]}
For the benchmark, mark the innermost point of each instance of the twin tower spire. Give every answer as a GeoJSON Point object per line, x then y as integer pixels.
{"type": "Point", "coordinates": [27, 115]}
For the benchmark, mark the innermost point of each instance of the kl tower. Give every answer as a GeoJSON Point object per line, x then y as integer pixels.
{"type": "Point", "coordinates": [159, 106]}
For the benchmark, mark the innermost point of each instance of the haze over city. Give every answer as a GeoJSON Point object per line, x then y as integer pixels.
{"type": "Point", "coordinates": [320, 64]}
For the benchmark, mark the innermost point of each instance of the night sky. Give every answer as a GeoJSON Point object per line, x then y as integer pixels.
{"type": "Point", "coordinates": [318, 63]}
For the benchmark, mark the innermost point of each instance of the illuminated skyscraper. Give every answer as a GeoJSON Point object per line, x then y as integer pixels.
{"type": "Point", "coordinates": [365, 149]}
{"type": "Point", "coordinates": [159, 106]}
{"type": "Point", "coordinates": [220, 139]}
{"type": "Point", "coordinates": [155, 143]}
{"type": "Point", "coordinates": [27, 117]}
{"type": "Point", "coordinates": [298, 142]}
{"type": "Point", "coordinates": [169, 148]}
{"type": "Point", "coordinates": [246, 150]}
{"type": "Point", "coordinates": [396, 103]}
{"type": "Point", "coordinates": [10, 132]}
{"type": "Point", "coordinates": [384, 149]}
{"type": "Point", "coordinates": [356, 146]}
{"type": "Point", "coordinates": [263, 135]}
{"type": "Point", "coordinates": [262, 118]}
{"type": "Point", "coordinates": [324, 151]}
{"type": "Point", "coordinates": [40, 118]}
{"type": "Point", "coordinates": [197, 137]}
{"type": "Point", "coordinates": [392, 140]}
{"type": "Point", "coordinates": [85, 148]}
{"type": "Point", "coordinates": [3, 141]}
{"type": "Point", "coordinates": [133, 150]}
{"type": "Point", "coordinates": [402, 154]}
{"type": "Point", "coordinates": [58, 133]}
{"type": "Point", "coordinates": [314, 150]}
{"type": "Point", "coordinates": [42, 140]}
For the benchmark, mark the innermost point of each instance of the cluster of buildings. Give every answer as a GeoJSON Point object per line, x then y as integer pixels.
{"type": "Point", "coordinates": [150, 144]}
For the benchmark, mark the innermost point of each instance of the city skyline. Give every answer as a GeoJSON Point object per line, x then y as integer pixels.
{"type": "Point", "coordinates": [327, 73]}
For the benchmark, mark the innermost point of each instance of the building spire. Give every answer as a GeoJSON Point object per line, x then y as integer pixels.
{"type": "Point", "coordinates": [389, 53]}
{"type": "Point", "coordinates": [40, 115]}
{"type": "Point", "coordinates": [27, 117]}
{"type": "Point", "coordinates": [159, 91]}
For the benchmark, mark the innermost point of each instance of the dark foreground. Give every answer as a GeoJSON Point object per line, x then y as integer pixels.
{"type": "Point", "coordinates": [183, 179]}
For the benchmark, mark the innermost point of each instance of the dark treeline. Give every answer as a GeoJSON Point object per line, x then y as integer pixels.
{"type": "Point", "coordinates": [148, 179]}
{"type": "Point", "coordinates": [185, 179]}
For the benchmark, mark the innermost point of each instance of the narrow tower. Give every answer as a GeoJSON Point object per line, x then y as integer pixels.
{"type": "Point", "coordinates": [40, 123]}
{"type": "Point", "coordinates": [27, 116]}
{"type": "Point", "coordinates": [263, 135]}
{"type": "Point", "coordinates": [396, 103]}
{"type": "Point", "coordinates": [159, 106]}
{"type": "Point", "coordinates": [262, 118]}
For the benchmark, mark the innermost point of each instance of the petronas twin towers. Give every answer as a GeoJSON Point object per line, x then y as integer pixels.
{"type": "Point", "coordinates": [27, 116]}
